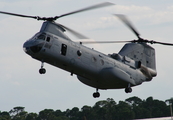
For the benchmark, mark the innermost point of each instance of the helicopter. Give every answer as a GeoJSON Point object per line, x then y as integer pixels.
{"type": "Point", "coordinates": [133, 65]}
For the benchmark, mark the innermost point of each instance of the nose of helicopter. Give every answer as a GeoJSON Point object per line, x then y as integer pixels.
{"type": "Point", "coordinates": [31, 46]}
{"type": "Point", "coordinates": [26, 47]}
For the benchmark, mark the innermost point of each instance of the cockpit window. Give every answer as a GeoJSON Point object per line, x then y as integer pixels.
{"type": "Point", "coordinates": [39, 36]}
{"type": "Point", "coordinates": [42, 36]}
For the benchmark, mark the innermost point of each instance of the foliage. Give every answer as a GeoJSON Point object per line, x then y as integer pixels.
{"type": "Point", "coordinates": [131, 108]}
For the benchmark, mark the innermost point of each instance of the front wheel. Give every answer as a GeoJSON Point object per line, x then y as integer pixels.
{"type": "Point", "coordinates": [42, 71]}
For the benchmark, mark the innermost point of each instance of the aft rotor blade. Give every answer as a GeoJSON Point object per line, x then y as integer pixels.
{"type": "Point", "coordinates": [99, 42]}
{"type": "Point", "coordinates": [162, 43]}
{"type": "Point", "coordinates": [86, 9]}
{"type": "Point", "coordinates": [132, 41]}
{"type": "Point", "coordinates": [78, 35]}
{"type": "Point", "coordinates": [19, 15]}
{"type": "Point", "coordinates": [128, 23]}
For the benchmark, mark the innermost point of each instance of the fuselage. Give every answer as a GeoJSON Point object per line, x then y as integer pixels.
{"type": "Point", "coordinates": [92, 68]}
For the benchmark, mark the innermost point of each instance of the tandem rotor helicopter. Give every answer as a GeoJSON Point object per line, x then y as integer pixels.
{"type": "Point", "coordinates": [133, 65]}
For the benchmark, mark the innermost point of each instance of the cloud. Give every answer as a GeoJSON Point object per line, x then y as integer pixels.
{"type": "Point", "coordinates": [132, 9]}
{"type": "Point", "coordinates": [145, 14]}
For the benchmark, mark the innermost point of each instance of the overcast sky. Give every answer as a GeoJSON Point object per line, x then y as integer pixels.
{"type": "Point", "coordinates": [22, 85]}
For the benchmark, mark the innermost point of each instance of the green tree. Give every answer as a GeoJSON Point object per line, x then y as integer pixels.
{"type": "Point", "coordinates": [169, 103]}
{"type": "Point", "coordinates": [5, 116]}
{"type": "Point", "coordinates": [160, 109]}
{"type": "Point", "coordinates": [148, 104]}
{"type": "Point", "coordinates": [131, 108]}
{"type": "Point", "coordinates": [134, 101]}
{"type": "Point", "coordinates": [111, 111]}
{"type": "Point", "coordinates": [73, 114]}
{"type": "Point", "coordinates": [86, 113]}
{"type": "Point", "coordinates": [99, 110]}
{"type": "Point", "coordinates": [16, 110]}
{"type": "Point", "coordinates": [18, 113]}
{"type": "Point", "coordinates": [47, 114]}
{"type": "Point", "coordinates": [138, 109]}
{"type": "Point", "coordinates": [156, 108]}
{"type": "Point", "coordinates": [32, 116]}
{"type": "Point", "coordinates": [105, 110]}
{"type": "Point", "coordinates": [125, 111]}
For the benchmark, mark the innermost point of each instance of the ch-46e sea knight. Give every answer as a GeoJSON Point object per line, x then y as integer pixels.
{"type": "Point", "coordinates": [133, 65]}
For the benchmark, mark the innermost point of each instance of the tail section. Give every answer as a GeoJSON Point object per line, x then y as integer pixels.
{"type": "Point", "coordinates": [143, 53]}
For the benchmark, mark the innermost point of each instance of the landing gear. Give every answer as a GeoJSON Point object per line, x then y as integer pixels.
{"type": "Point", "coordinates": [96, 94]}
{"type": "Point", "coordinates": [42, 70]}
{"type": "Point", "coordinates": [128, 89]}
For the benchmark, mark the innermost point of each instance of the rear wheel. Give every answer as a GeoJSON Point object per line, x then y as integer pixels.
{"type": "Point", "coordinates": [128, 90]}
{"type": "Point", "coordinates": [96, 94]}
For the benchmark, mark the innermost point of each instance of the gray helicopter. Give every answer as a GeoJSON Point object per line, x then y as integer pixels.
{"type": "Point", "coordinates": [133, 65]}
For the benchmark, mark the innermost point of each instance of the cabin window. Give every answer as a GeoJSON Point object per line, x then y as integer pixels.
{"type": "Point", "coordinates": [48, 39]}
{"type": "Point", "coordinates": [63, 49]}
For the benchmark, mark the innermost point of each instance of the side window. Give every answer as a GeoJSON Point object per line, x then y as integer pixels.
{"type": "Point", "coordinates": [63, 49]}
{"type": "Point", "coordinates": [42, 36]}
{"type": "Point", "coordinates": [48, 39]}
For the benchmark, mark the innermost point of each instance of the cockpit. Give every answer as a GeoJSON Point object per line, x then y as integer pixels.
{"type": "Point", "coordinates": [36, 43]}
{"type": "Point", "coordinates": [44, 37]}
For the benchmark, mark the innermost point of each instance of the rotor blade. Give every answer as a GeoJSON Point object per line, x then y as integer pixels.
{"type": "Point", "coordinates": [99, 42]}
{"type": "Point", "coordinates": [162, 43]}
{"type": "Point", "coordinates": [132, 41]}
{"type": "Point", "coordinates": [128, 23]}
{"type": "Point", "coordinates": [19, 15]}
{"type": "Point", "coordinates": [56, 17]}
{"type": "Point", "coordinates": [78, 35]}
{"type": "Point", "coordinates": [86, 9]}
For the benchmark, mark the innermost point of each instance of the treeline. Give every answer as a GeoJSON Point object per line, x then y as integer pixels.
{"type": "Point", "coordinates": [131, 108]}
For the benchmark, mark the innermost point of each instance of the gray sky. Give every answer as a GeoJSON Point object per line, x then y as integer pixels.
{"type": "Point", "coordinates": [22, 85]}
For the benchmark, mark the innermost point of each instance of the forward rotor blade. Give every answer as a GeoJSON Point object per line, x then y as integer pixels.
{"type": "Point", "coordinates": [124, 19]}
{"type": "Point", "coordinates": [56, 17]}
{"type": "Point", "coordinates": [19, 15]}
{"type": "Point", "coordinates": [86, 9]}
{"type": "Point", "coordinates": [76, 34]}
